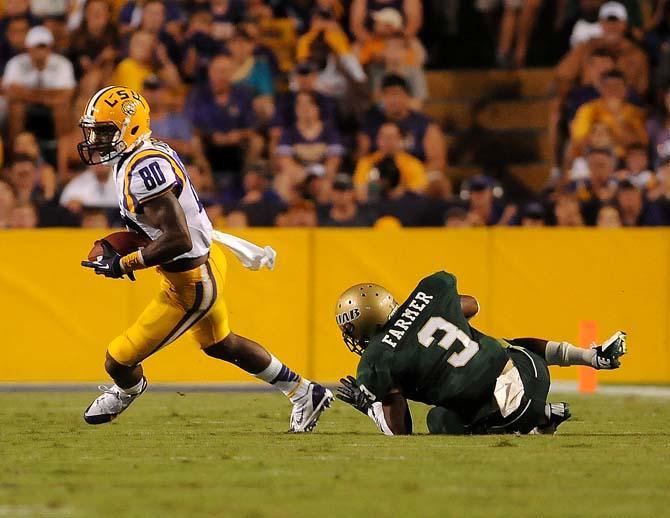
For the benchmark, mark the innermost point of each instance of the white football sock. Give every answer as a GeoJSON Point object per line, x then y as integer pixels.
{"type": "Point", "coordinates": [279, 375]}
{"type": "Point", "coordinates": [135, 389]}
{"type": "Point", "coordinates": [566, 354]}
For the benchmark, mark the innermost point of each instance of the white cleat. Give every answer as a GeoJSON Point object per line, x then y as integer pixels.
{"type": "Point", "coordinates": [110, 403]}
{"type": "Point", "coordinates": [609, 352]}
{"type": "Point", "coordinates": [308, 409]}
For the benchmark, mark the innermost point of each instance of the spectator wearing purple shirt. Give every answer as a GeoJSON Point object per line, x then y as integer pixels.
{"type": "Point", "coordinates": [309, 147]}
{"type": "Point", "coordinates": [343, 209]}
{"type": "Point", "coordinates": [635, 209]}
{"type": "Point", "coordinates": [484, 208]}
{"type": "Point", "coordinates": [260, 204]}
{"type": "Point", "coordinates": [424, 139]}
{"type": "Point", "coordinates": [303, 80]}
{"type": "Point", "coordinates": [223, 117]}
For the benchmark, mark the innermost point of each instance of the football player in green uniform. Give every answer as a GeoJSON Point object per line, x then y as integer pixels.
{"type": "Point", "coordinates": [425, 350]}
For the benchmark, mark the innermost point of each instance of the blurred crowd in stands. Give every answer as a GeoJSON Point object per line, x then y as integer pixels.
{"type": "Point", "coordinates": [309, 112]}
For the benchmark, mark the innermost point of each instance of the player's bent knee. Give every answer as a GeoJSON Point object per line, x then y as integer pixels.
{"type": "Point", "coordinates": [223, 350]}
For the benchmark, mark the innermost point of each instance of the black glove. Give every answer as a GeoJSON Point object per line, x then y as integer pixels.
{"type": "Point", "coordinates": [351, 393]}
{"type": "Point", "coordinates": [109, 265]}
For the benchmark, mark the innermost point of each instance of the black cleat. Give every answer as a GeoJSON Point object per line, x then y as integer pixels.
{"type": "Point", "coordinates": [609, 352]}
{"type": "Point", "coordinates": [560, 412]}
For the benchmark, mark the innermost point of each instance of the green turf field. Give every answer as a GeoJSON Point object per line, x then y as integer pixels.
{"type": "Point", "coordinates": [226, 454]}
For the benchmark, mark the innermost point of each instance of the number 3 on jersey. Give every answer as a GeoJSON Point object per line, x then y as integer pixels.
{"type": "Point", "coordinates": [452, 334]}
{"type": "Point", "coordinates": [152, 176]}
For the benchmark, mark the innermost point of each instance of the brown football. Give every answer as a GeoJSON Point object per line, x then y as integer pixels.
{"type": "Point", "coordinates": [122, 242]}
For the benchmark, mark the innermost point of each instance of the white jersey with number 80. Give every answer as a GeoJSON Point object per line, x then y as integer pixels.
{"type": "Point", "coordinates": [149, 171]}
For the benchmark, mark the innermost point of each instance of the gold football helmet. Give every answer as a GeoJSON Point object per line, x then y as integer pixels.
{"type": "Point", "coordinates": [361, 311]}
{"type": "Point", "coordinates": [115, 119]}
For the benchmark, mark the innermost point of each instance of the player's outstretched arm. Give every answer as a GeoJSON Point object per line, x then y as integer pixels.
{"type": "Point", "coordinates": [391, 416]}
{"type": "Point", "coordinates": [166, 214]}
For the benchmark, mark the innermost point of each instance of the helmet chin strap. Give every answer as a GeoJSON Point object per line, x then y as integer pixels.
{"type": "Point", "coordinates": [114, 159]}
{"type": "Point", "coordinates": [138, 142]}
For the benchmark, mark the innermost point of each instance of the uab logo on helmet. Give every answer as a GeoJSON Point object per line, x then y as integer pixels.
{"type": "Point", "coordinates": [347, 316]}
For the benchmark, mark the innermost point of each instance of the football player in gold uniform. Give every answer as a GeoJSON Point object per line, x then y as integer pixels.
{"type": "Point", "coordinates": [157, 200]}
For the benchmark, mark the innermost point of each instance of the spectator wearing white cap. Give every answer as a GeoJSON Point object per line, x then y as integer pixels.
{"type": "Point", "coordinates": [38, 81]}
{"type": "Point", "coordinates": [362, 16]}
{"type": "Point", "coordinates": [632, 61]}
{"type": "Point", "coordinates": [388, 23]}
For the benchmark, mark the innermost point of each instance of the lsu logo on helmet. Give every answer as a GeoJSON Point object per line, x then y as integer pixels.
{"type": "Point", "coordinates": [129, 107]}
{"type": "Point", "coordinates": [116, 118]}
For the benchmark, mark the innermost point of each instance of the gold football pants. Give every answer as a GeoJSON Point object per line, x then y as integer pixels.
{"type": "Point", "coordinates": [190, 301]}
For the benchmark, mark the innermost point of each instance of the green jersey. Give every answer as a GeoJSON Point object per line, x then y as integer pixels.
{"type": "Point", "coordinates": [430, 353]}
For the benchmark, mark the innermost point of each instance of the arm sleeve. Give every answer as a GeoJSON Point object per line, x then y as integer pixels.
{"type": "Point", "coordinates": [416, 178]}
{"type": "Point", "coordinates": [581, 125]}
{"type": "Point", "coordinates": [374, 376]}
{"type": "Point", "coordinates": [303, 46]}
{"type": "Point", "coordinates": [150, 177]}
